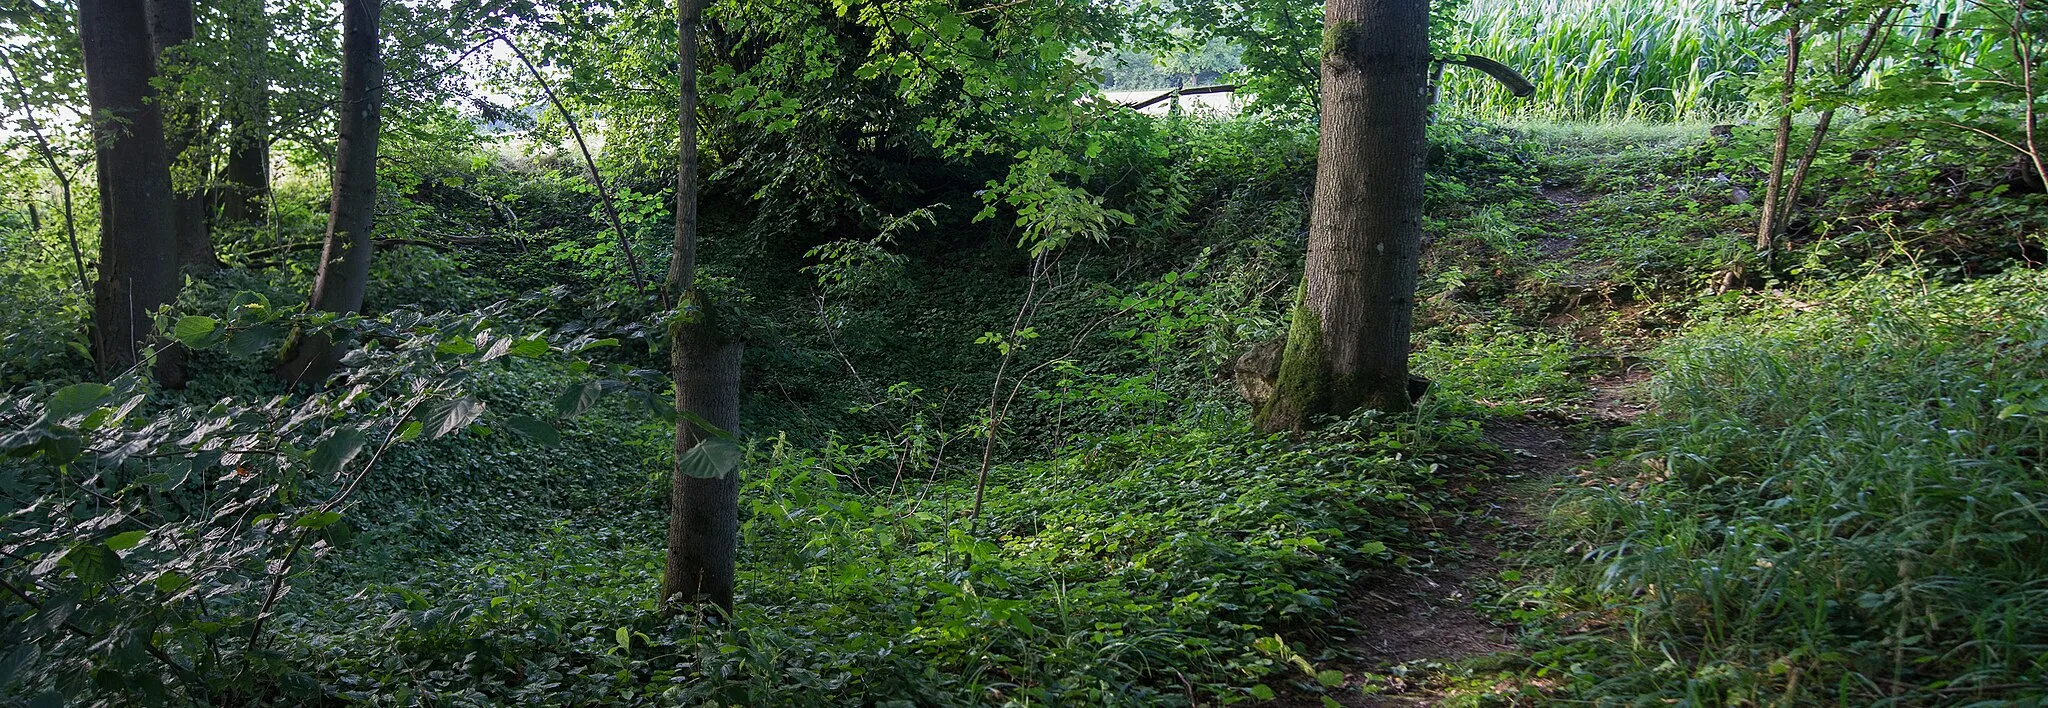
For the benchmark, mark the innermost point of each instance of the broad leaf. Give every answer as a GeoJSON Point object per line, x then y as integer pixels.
{"type": "Point", "coordinates": [447, 415]}
{"type": "Point", "coordinates": [77, 398]}
{"type": "Point", "coordinates": [539, 430]}
{"type": "Point", "coordinates": [712, 459]}
{"type": "Point", "coordinates": [196, 331]}
{"type": "Point", "coordinates": [125, 540]}
{"type": "Point", "coordinates": [334, 453]}
{"type": "Point", "coordinates": [577, 398]}
{"type": "Point", "coordinates": [93, 562]}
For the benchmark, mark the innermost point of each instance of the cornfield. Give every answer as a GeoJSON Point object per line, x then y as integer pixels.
{"type": "Point", "coordinates": [1608, 59]}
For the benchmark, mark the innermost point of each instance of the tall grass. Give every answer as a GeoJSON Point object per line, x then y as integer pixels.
{"type": "Point", "coordinates": [1845, 503]}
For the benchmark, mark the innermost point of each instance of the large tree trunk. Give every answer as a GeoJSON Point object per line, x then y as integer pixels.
{"type": "Point", "coordinates": [171, 25]}
{"type": "Point", "coordinates": [344, 273]}
{"type": "Point", "coordinates": [703, 525]}
{"type": "Point", "coordinates": [1348, 345]}
{"type": "Point", "coordinates": [138, 237]}
{"type": "Point", "coordinates": [245, 179]}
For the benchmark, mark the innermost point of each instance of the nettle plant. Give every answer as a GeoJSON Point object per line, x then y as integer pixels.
{"type": "Point", "coordinates": [148, 544]}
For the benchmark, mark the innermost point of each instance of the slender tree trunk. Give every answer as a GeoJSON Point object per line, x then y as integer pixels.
{"type": "Point", "coordinates": [1767, 225]}
{"type": "Point", "coordinates": [138, 237]}
{"type": "Point", "coordinates": [2023, 53]}
{"type": "Point", "coordinates": [1348, 345]}
{"type": "Point", "coordinates": [49, 155]}
{"type": "Point", "coordinates": [171, 25]}
{"type": "Point", "coordinates": [1846, 76]}
{"type": "Point", "coordinates": [246, 175]}
{"type": "Point", "coordinates": [344, 274]}
{"type": "Point", "coordinates": [703, 525]}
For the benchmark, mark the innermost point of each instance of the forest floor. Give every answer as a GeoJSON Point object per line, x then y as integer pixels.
{"type": "Point", "coordinates": [1428, 635]}
{"type": "Point", "coordinates": [1443, 633]}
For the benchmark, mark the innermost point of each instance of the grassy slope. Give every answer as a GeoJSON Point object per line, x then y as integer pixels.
{"type": "Point", "coordinates": [1837, 499]}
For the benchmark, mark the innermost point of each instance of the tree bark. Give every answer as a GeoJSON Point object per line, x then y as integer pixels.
{"type": "Point", "coordinates": [703, 525]}
{"type": "Point", "coordinates": [1767, 226]}
{"type": "Point", "coordinates": [138, 237]}
{"type": "Point", "coordinates": [344, 274]}
{"type": "Point", "coordinates": [1846, 76]}
{"type": "Point", "coordinates": [245, 178]}
{"type": "Point", "coordinates": [1348, 346]}
{"type": "Point", "coordinates": [171, 25]}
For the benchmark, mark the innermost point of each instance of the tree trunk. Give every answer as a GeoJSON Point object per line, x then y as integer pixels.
{"type": "Point", "coordinates": [138, 237]}
{"type": "Point", "coordinates": [1768, 226]}
{"type": "Point", "coordinates": [344, 273]}
{"type": "Point", "coordinates": [1348, 345]}
{"type": "Point", "coordinates": [703, 525]}
{"type": "Point", "coordinates": [1846, 76]}
{"type": "Point", "coordinates": [171, 25]}
{"type": "Point", "coordinates": [245, 179]}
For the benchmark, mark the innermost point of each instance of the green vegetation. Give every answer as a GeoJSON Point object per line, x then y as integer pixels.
{"type": "Point", "coordinates": [1610, 59]}
{"type": "Point", "coordinates": [1840, 502]}
{"type": "Point", "coordinates": [995, 443]}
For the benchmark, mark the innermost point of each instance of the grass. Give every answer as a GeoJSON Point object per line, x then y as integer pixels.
{"type": "Point", "coordinates": [1842, 502]}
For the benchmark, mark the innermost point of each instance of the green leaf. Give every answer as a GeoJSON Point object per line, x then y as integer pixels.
{"type": "Point", "coordinates": [1263, 692]}
{"type": "Point", "coordinates": [1373, 547]}
{"type": "Point", "coordinates": [607, 342]}
{"type": "Point", "coordinates": [334, 453]}
{"type": "Point", "coordinates": [93, 562]}
{"type": "Point", "coordinates": [125, 540]}
{"type": "Point", "coordinates": [410, 431]}
{"type": "Point", "coordinates": [625, 638]}
{"type": "Point", "coordinates": [1330, 678]}
{"type": "Point", "coordinates": [711, 459]}
{"type": "Point", "coordinates": [196, 331]}
{"type": "Point", "coordinates": [447, 415]}
{"type": "Point", "coordinates": [536, 429]}
{"type": "Point", "coordinates": [705, 425]}
{"type": "Point", "coordinates": [456, 346]}
{"type": "Point", "coordinates": [254, 340]}
{"type": "Point", "coordinates": [533, 347]}
{"type": "Point", "coordinates": [171, 582]}
{"type": "Point", "coordinates": [318, 520]}
{"type": "Point", "coordinates": [577, 398]}
{"type": "Point", "coordinates": [77, 398]}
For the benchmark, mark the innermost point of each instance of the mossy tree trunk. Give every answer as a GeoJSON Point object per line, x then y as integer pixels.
{"type": "Point", "coordinates": [1347, 348]}
{"type": "Point", "coordinates": [703, 525]}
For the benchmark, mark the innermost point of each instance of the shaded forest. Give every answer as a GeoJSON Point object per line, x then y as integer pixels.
{"type": "Point", "coordinates": [866, 352]}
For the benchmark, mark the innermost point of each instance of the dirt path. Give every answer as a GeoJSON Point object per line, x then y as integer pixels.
{"type": "Point", "coordinates": [1420, 626]}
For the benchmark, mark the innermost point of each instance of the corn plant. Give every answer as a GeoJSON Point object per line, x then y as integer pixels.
{"type": "Point", "coordinates": [1631, 59]}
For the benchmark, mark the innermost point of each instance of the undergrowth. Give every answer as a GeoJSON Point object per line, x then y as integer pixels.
{"type": "Point", "coordinates": [1184, 565]}
{"type": "Point", "coordinates": [1840, 503]}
